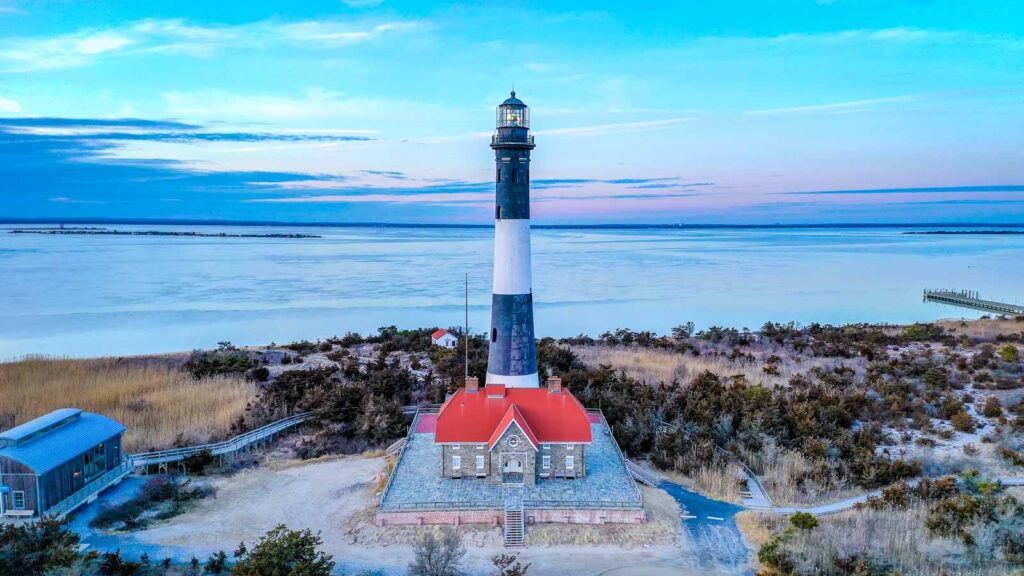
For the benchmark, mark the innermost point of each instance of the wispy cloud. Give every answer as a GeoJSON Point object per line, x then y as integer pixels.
{"type": "Point", "coordinates": [156, 131]}
{"type": "Point", "coordinates": [613, 128]}
{"type": "Point", "coordinates": [1004, 188]}
{"type": "Point", "coordinates": [84, 47]}
{"type": "Point", "coordinates": [66, 200]}
{"type": "Point", "coordinates": [847, 107]}
{"type": "Point", "coordinates": [469, 193]}
{"type": "Point", "coordinates": [900, 34]}
{"type": "Point", "coordinates": [9, 106]}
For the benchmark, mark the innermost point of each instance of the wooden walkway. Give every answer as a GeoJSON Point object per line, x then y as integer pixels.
{"type": "Point", "coordinates": [971, 299]}
{"type": "Point", "coordinates": [253, 438]}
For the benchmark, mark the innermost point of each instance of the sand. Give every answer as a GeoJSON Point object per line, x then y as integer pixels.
{"type": "Point", "coordinates": [335, 496]}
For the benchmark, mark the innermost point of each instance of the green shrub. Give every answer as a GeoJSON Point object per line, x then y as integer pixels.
{"type": "Point", "coordinates": [1009, 353]}
{"type": "Point", "coordinates": [803, 520]}
{"type": "Point", "coordinates": [196, 464]}
{"type": "Point", "coordinates": [37, 548]}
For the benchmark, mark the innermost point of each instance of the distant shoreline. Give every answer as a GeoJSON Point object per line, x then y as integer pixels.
{"type": "Point", "coordinates": [966, 232]}
{"type": "Point", "coordinates": [105, 232]}
{"type": "Point", "coordinates": [610, 226]}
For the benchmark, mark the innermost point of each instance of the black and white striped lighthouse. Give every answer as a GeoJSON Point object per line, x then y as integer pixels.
{"type": "Point", "coordinates": [512, 360]}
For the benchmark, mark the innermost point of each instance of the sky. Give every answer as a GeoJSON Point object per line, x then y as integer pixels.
{"type": "Point", "coordinates": [745, 112]}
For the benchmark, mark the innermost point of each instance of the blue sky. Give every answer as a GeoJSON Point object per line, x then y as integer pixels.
{"type": "Point", "coordinates": [695, 112]}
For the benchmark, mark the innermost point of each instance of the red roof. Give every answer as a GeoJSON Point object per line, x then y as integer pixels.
{"type": "Point", "coordinates": [549, 416]}
{"type": "Point", "coordinates": [438, 333]}
{"type": "Point", "coordinates": [513, 415]}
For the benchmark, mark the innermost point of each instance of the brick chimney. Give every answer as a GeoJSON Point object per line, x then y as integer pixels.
{"type": "Point", "coordinates": [555, 384]}
{"type": "Point", "coordinates": [472, 384]}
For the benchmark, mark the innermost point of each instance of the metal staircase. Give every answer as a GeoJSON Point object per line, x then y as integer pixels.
{"type": "Point", "coordinates": [515, 527]}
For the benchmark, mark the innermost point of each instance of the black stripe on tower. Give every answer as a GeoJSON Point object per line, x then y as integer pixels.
{"type": "Point", "coordinates": [513, 184]}
{"type": "Point", "coordinates": [513, 350]}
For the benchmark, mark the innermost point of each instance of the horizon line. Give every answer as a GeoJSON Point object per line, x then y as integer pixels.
{"type": "Point", "coordinates": [608, 226]}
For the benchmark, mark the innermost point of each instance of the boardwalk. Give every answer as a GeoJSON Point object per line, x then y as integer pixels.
{"type": "Point", "coordinates": [257, 437]}
{"type": "Point", "coordinates": [848, 503]}
{"type": "Point", "coordinates": [971, 299]}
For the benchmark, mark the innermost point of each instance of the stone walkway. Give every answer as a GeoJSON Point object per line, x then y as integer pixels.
{"type": "Point", "coordinates": [417, 483]}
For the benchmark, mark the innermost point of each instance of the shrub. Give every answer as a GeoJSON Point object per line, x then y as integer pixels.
{"type": "Point", "coordinates": [992, 408]}
{"type": "Point", "coordinates": [260, 374]}
{"type": "Point", "coordinates": [284, 551]}
{"type": "Point", "coordinates": [37, 548]}
{"type": "Point", "coordinates": [962, 421]}
{"type": "Point", "coordinates": [196, 463]}
{"type": "Point", "coordinates": [438, 556]}
{"type": "Point", "coordinates": [803, 520]}
{"type": "Point", "coordinates": [224, 360]}
{"type": "Point", "coordinates": [113, 565]}
{"type": "Point", "coordinates": [1009, 353]}
{"type": "Point", "coordinates": [216, 563]}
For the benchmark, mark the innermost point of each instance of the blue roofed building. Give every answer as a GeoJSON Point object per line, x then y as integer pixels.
{"type": "Point", "coordinates": [53, 463]}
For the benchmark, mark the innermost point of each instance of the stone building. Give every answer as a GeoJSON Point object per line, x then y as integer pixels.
{"type": "Point", "coordinates": [513, 436]}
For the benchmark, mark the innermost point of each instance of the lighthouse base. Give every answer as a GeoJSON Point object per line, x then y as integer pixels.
{"type": "Point", "coordinates": [520, 381]}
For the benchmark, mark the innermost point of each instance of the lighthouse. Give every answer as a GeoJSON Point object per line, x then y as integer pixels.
{"type": "Point", "coordinates": [512, 359]}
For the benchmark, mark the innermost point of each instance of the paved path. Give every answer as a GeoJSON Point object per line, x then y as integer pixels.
{"type": "Point", "coordinates": [848, 503]}
{"type": "Point", "coordinates": [716, 544]}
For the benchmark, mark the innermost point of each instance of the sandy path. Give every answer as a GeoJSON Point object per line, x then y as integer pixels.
{"type": "Point", "coordinates": [324, 495]}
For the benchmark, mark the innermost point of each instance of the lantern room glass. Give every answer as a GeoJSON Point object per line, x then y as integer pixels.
{"type": "Point", "coordinates": [513, 116]}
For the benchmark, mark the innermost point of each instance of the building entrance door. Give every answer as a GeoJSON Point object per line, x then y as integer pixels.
{"type": "Point", "coordinates": [512, 470]}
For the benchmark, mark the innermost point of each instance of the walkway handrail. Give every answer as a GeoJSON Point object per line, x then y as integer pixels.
{"type": "Point", "coordinates": [746, 469]}
{"type": "Point", "coordinates": [219, 448]}
{"type": "Point", "coordinates": [622, 457]}
{"type": "Point", "coordinates": [89, 490]}
{"type": "Point", "coordinates": [398, 461]}
{"type": "Point", "coordinates": [971, 299]}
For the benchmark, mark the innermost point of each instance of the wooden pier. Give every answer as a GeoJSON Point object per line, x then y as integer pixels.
{"type": "Point", "coordinates": [971, 299]}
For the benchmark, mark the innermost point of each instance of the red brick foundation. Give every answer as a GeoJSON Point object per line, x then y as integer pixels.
{"type": "Point", "coordinates": [495, 517]}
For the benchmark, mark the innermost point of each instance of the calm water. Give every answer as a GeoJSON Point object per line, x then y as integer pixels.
{"type": "Point", "coordinates": [110, 295]}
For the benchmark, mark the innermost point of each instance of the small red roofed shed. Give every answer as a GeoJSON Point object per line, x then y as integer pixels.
{"type": "Point", "coordinates": [444, 338]}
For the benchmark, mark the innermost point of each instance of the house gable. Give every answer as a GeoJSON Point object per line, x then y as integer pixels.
{"type": "Point", "coordinates": [513, 422]}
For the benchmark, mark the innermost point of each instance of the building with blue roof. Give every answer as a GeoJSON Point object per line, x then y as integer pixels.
{"type": "Point", "coordinates": [49, 460]}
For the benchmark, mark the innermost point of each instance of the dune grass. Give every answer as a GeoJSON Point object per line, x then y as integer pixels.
{"type": "Point", "coordinates": [898, 538]}
{"type": "Point", "coordinates": [653, 365]}
{"type": "Point", "coordinates": [986, 329]}
{"type": "Point", "coordinates": [158, 404]}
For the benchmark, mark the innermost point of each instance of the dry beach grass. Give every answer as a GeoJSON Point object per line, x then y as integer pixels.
{"type": "Point", "coordinates": [154, 401]}
{"type": "Point", "coordinates": [653, 365]}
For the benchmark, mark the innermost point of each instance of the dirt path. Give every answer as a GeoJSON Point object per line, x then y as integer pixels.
{"type": "Point", "coordinates": [330, 496]}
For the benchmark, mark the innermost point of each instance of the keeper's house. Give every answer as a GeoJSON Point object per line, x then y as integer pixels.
{"type": "Point", "coordinates": [513, 436]}
{"type": "Point", "coordinates": [48, 460]}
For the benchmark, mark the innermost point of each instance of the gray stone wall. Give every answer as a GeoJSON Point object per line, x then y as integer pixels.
{"type": "Point", "coordinates": [524, 451]}
{"type": "Point", "coordinates": [558, 452]}
{"type": "Point", "coordinates": [532, 460]}
{"type": "Point", "coordinates": [467, 455]}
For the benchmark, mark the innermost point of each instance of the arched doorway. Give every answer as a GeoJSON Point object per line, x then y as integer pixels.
{"type": "Point", "coordinates": [512, 469]}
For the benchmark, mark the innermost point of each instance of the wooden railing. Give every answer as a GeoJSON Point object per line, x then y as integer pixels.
{"type": "Point", "coordinates": [231, 446]}
{"type": "Point", "coordinates": [90, 490]}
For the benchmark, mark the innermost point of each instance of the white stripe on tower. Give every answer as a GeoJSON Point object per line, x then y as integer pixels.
{"type": "Point", "coordinates": [512, 253]}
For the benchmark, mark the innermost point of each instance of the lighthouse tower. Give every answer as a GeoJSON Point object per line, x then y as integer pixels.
{"type": "Point", "coordinates": [512, 360]}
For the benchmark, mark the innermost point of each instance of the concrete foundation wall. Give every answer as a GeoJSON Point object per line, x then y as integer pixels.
{"type": "Point", "coordinates": [495, 517]}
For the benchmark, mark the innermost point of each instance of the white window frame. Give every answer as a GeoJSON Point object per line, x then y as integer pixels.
{"type": "Point", "coordinates": [479, 461]}
{"type": "Point", "coordinates": [545, 461]}
{"type": "Point", "coordinates": [570, 462]}
{"type": "Point", "coordinates": [456, 462]}
{"type": "Point", "coordinates": [15, 497]}
{"type": "Point", "coordinates": [570, 446]}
